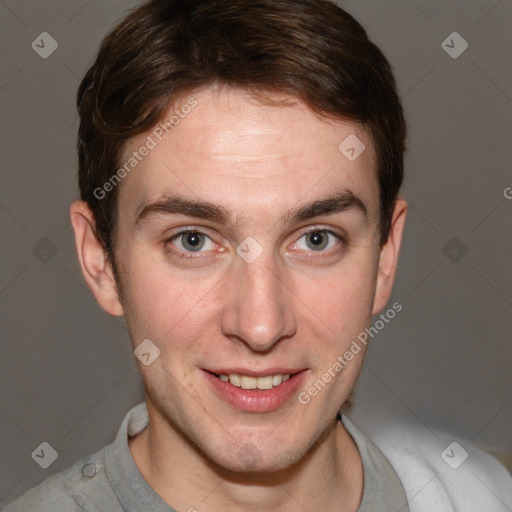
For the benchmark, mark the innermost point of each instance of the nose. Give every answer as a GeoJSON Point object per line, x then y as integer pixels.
{"type": "Point", "coordinates": [259, 305]}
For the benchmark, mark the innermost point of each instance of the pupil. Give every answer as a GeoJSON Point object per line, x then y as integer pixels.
{"type": "Point", "coordinates": [193, 240]}
{"type": "Point", "coordinates": [317, 240]}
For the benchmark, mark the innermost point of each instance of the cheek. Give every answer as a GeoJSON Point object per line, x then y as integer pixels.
{"type": "Point", "coordinates": [166, 304]}
{"type": "Point", "coordinates": [341, 296]}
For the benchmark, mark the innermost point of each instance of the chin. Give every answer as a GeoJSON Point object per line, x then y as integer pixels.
{"type": "Point", "coordinates": [259, 457]}
{"type": "Point", "coordinates": [249, 460]}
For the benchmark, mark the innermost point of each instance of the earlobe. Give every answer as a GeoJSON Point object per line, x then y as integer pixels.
{"type": "Point", "coordinates": [96, 268]}
{"type": "Point", "coordinates": [388, 258]}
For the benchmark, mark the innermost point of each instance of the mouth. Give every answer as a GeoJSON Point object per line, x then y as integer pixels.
{"type": "Point", "coordinates": [263, 382]}
{"type": "Point", "coordinates": [256, 391]}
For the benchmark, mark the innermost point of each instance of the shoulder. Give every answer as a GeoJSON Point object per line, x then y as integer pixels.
{"type": "Point", "coordinates": [441, 473]}
{"type": "Point", "coordinates": [83, 487]}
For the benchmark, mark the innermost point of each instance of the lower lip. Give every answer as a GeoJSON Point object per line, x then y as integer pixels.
{"type": "Point", "coordinates": [249, 400]}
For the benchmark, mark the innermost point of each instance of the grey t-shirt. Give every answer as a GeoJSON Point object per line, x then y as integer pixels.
{"type": "Point", "coordinates": [110, 481]}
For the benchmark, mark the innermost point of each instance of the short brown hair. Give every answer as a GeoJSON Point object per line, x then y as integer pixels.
{"type": "Point", "coordinates": [311, 50]}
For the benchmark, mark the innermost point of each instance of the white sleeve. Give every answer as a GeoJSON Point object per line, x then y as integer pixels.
{"type": "Point", "coordinates": [444, 474]}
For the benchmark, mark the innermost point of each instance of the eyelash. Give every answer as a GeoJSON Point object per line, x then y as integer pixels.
{"type": "Point", "coordinates": [194, 255]}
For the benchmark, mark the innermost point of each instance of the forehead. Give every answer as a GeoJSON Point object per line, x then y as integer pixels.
{"type": "Point", "coordinates": [227, 146]}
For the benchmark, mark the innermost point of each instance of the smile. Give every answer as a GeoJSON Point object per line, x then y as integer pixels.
{"type": "Point", "coordinates": [247, 382]}
{"type": "Point", "coordinates": [257, 393]}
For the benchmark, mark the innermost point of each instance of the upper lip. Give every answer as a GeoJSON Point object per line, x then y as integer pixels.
{"type": "Point", "coordinates": [256, 373]}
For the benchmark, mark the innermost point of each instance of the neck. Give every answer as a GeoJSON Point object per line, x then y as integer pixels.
{"type": "Point", "coordinates": [329, 477]}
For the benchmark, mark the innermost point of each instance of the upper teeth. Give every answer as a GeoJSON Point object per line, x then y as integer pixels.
{"type": "Point", "coordinates": [246, 382]}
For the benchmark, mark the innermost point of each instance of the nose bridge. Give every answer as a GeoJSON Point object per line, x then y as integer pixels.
{"type": "Point", "coordinates": [259, 307]}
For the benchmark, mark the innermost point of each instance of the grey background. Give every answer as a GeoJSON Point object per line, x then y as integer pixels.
{"type": "Point", "coordinates": [67, 373]}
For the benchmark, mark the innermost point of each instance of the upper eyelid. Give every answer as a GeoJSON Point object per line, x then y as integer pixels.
{"type": "Point", "coordinates": [191, 229]}
{"type": "Point", "coordinates": [326, 229]}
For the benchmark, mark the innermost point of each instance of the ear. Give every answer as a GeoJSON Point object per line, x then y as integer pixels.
{"type": "Point", "coordinates": [389, 257]}
{"type": "Point", "coordinates": [95, 266]}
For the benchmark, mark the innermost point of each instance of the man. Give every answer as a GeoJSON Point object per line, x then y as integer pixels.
{"type": "Point", "coordinates": [239, 167]}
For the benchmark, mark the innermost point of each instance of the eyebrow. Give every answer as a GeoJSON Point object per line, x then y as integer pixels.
{"type": "Point", "coordinates": [174, 204]}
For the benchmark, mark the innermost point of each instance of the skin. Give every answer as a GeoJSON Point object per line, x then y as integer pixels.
{"type": "Point", "coordinates": [291, 307]}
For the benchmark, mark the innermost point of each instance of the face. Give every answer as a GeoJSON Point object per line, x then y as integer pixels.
{"type": "Point", "coordinates": [247, 245]}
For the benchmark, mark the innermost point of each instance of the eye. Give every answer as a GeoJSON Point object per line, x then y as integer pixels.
{"type": "Point", "coordinates": [318, 240]}
{"type": "Point", "coordinates": [191, 241]}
